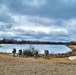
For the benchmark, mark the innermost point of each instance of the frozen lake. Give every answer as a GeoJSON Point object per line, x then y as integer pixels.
{"type": "Point", "coordinates": [52, 48]}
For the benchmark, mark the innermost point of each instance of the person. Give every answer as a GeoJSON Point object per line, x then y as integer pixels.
{"type": "Point", "coordinates": [14, 52]}
{"type": "Point", "coordinates": [36, 54]}
{"type": "Point", "coordinates": [46, 54]}
{"type": "Point", "coordinates": [20, 53]}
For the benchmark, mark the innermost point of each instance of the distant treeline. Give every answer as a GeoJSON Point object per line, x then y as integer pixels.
{"type": "Point", "coordinates": [12, 41]}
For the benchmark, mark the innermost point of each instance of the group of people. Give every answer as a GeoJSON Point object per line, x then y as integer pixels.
{"type": "Point", "coordinates": [27, 53]}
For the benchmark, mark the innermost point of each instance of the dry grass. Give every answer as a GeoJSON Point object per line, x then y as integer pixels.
{"type": "Point", "coordinates": [73, 47]}
{"type": "Point", "coordinates": [30, 66]}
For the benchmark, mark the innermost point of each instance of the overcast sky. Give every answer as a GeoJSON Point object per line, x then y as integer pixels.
{"type": "Point", "coordinates": [38, 20]}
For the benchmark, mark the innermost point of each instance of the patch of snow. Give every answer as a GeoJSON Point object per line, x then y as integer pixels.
{"type": "Point", "coordinates": [72, 58]}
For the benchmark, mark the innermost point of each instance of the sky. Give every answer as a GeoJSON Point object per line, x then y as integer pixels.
{"type": "Point", "coordinates": [38, 20]}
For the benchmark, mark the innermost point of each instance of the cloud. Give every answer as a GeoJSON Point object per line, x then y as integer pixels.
{"type": "Point", "coordinates": [26, 23]}
{"type": "Point", "coordinates": [63, 9]}
{"type": "Point", "coordinates": [5, 14]}
{"type": "Point", "coordinates": [38, 20]}
{"type": "Point", "coordinates": [24, 27]}
{"type": "Point", "coordinates": [34, 3]}
{"type": "Point", "coordinates": [37, 30]}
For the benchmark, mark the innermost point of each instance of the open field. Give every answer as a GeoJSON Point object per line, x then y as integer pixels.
{"type": "Point", "coordinates": [30, 66]}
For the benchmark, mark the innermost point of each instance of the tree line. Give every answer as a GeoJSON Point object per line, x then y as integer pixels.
{"type": "Point", "coordinates": [12, 41]}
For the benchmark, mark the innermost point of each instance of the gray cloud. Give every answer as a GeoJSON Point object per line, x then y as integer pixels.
{"type": "Point", "coordinates": [50, 20]}
{"type": "Point", "coordinates": [53, 9]}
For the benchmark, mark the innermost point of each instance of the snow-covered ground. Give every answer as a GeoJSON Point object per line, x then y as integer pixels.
{"type": "Point", "coordinates": [72, 57]}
